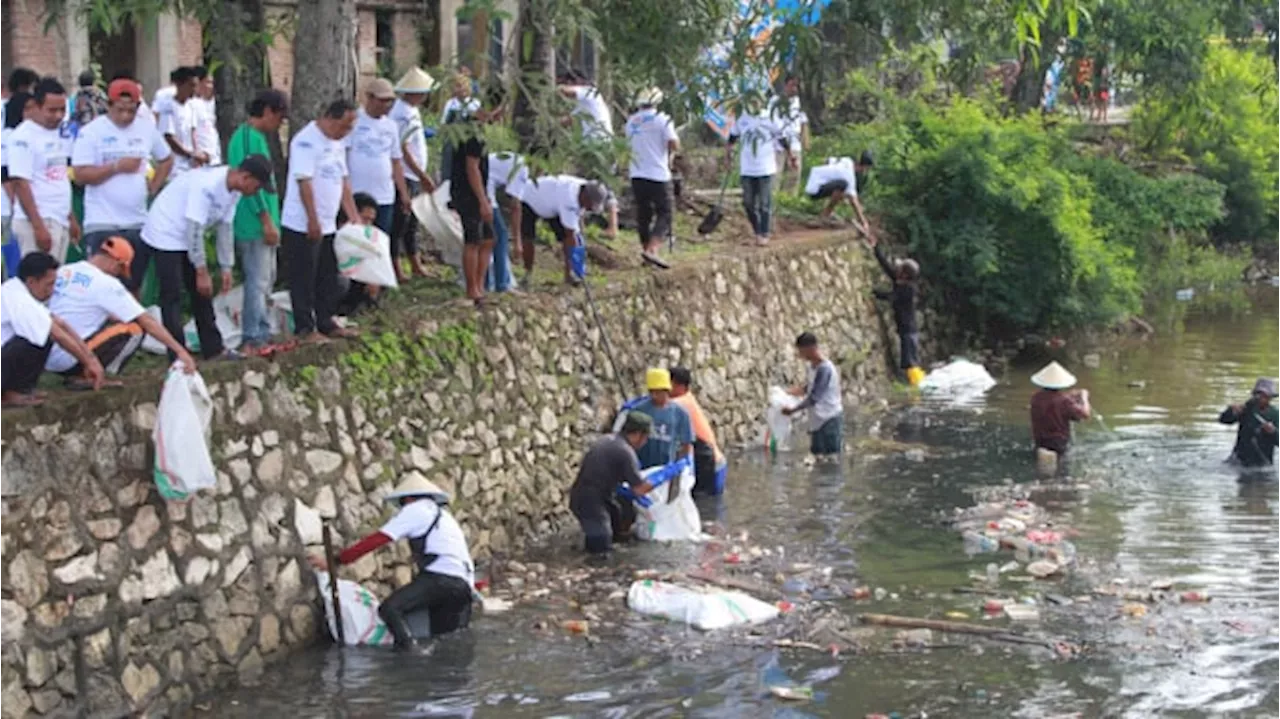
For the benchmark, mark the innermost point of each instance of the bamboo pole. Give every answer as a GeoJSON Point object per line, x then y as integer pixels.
{"type": "Point", "coordinates": [331, 561]}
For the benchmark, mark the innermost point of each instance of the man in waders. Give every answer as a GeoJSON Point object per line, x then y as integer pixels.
{"type": "Point", "coordinates": [1053, 409]}
{"type": "Point", "coordinates": [443, 587]}
{"type": "Point", "coordinates": [1256, 437]}
{"type": "Point", "coordinates": [610, 462]}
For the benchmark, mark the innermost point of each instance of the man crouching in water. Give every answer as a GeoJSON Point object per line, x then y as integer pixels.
{"type": "Point", "coordinates": [446, 575]}
{"type": "Point", "coordinates": [1256, 438]}
{"type": "Point", "coordinates": [610, 462]}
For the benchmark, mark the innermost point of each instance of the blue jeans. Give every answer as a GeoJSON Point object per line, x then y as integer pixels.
{"type": "Point", "coordinates": [498, 277]}
{"type": "Point", "coordinates": [385, 218]}
{"type": "Point", "coordinates": [757, 200]}
{"type": "Point", "coordinates": [258, 263]}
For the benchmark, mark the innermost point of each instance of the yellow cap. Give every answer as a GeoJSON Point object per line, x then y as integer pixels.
{"type": "Point", "coordinates": [657, 379]}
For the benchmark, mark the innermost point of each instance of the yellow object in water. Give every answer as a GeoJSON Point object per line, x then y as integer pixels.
{"type": "Point", "coordinates": [915, 376]}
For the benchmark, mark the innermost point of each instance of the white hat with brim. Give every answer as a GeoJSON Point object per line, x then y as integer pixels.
{"type": "Point", "coordinates": [1053, 376]}
{"type": "Point", "coordinates": [651, 96]}
{"type": "Point", "coordinates": [416, 82]}
{"type": "Point", "coordinates": [416, 485]}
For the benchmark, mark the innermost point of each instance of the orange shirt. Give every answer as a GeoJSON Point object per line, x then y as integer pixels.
{"type": "Point", "coordinates": [701, 427]}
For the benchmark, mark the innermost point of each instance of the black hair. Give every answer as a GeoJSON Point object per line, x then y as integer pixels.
{"type": "Point", "coordinates": [789, 77]}
{"type": "Point", "coordinates": [87, 78]}
{"type": "Point", "coordinates": [199, 72]}
{"type": "Point", "coordinates": [866, 158]}
{"type": "Point", "coordinates": [338, 109]}
{"type": "Point", "coordinates": [36, 265]}
{"type": "Point", "coordinates": [22, 77]}
{"type": "Point", "coordinates": [178, 74]}
{"type": "Point", "coordinates": [13, 109]}
{"type": "Point", "coordinates": [806, 339]}
{"type": "Point", "coordinates": [681, 375]}
{"type": "Point", "coordinates": [269, 99]}
{"type": "Point", "coordinates": [46, 87]}
{"type": "Point", "coordinates": [364, 200]}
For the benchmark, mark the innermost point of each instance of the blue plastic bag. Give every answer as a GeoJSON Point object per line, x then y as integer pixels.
{"type": "Point", "coordinates": [12, 253]}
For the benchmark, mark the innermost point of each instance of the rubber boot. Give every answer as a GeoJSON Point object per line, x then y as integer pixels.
{"type": "Point", "coordinates": [399, 628]}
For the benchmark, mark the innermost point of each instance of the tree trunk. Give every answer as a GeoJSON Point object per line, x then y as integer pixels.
{"type": "Point", "coordinates": [324, 58]}
{"type": "Point", "coordinates": [237, 42]}
{"type": "Point", "coordinates": [535, 80]}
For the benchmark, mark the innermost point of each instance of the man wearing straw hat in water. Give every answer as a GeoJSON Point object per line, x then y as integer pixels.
{"type": "Point", "coordinates": [1256, 437]}
{"type": "Point", "coordinates": [443, 587]}
{"type": "Point", "coordinates": [1053, 409]}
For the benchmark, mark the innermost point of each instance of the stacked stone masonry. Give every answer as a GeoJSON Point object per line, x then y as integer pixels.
{"type": "Point", "coordinates": [116, 602]}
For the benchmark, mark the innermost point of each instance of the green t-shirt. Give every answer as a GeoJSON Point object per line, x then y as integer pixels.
{"type": "Point", "coordinates": [248, 228]}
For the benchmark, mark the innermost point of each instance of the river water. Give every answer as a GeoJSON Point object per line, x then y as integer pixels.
{"type": "Point", "coordinates": [1161, 504]}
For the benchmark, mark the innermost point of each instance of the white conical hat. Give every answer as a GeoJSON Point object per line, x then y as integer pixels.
{"type": "Point", "coordinates": [1053, 376]}
{"type": "Point", "coordinates": [416, 81]}
{"type": "Point", "coordinates": [416, 485]}
{"type": "Point", "coordinates": [651, 96]}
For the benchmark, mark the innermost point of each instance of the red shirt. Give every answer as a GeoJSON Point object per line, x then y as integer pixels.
{"type": "Point", "coordinates": [1052, 413]}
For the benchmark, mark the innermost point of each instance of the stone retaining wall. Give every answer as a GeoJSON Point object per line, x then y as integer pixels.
{"type": "Point", "coordinates": [116, 601]}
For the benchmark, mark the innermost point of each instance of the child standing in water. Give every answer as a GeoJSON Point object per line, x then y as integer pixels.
{"type": "Point", "coordinates": [904, 274]}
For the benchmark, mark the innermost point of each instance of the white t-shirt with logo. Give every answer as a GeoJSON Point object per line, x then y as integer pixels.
{"type": "Point", "coordinates": [786, 113]}
{"type": "Point", "coordinates": [313, 156]}
{"type": "Point", "coordinates": [454, 105]}
{"type": "Point", "coordinates": [6, 207]}
{"type": "Point", "coordinates": [121, 201]}
{"type": "Point", "coordinates": [371, 147]}
{"type": "Point", "coordinates": [179, 119]}
{"type": "Point", "coordinates": [554, 197]}
{"type": "Point", "coordinates": [649, 132]}
{"type": "Point", "coordinates": [206, 132]}
{"type": "Point", "coordinates": [39, 156]}
{"type": "Point", "coordinates": [507, 172]}
{"type": "Point", "coordinates": [446, 540]}
{"type": "Point", "coordinates": [756, 136]}
{"type": "Point", "coordinates": [835, 169]}
{"type": "Point", "coordinates": [22, 315]}
{"type": "Point", "coordinates": [593, 112]}
{"type": "Point", "coordinates": [409, 125]}
{"type": "Point", "coordinates": [85, 297]}
{"type": "Point", "coordinates": [199, 196]}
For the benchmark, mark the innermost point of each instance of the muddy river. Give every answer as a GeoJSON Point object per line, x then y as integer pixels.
{"type": "Point", "coordinates": [1161, 505]}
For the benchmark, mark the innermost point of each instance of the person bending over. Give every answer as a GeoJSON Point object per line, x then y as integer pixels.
{"type": "Point", "coordinates": [609, 463]}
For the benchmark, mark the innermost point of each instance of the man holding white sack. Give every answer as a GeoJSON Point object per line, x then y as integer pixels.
{"type": "Point", "coordinates": [446, 575]}
{"type": "Point", "coordinates": [609, 463]}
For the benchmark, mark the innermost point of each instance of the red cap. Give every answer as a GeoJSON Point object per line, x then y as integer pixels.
{"type": "Point", "coordinates": [122, 88]}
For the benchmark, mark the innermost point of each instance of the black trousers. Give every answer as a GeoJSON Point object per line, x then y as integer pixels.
{"type": "Point", "coordinates": [704, 468]}
{"type": "Point", "coordinates": [312, 271]}
{"type": "Point", "coordinates": [175, 273]}
{"type": "Point", "coordinates": [404, 226]}
{"type": "Point", "coordinates": [21, 363]}
{"type": "Point", "coordinates": [446, 598]}
{"type": "Point", "coordinates": [653, 209]}
{"type": "Point", "coordinates": [529, 225]}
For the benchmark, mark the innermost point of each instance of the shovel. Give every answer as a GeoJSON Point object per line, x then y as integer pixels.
{"type": "Point", "coordinates": [713, 218]}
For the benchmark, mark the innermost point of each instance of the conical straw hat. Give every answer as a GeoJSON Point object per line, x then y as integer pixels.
{"type": "Point", "coordinates": [416, 81]}
{"type": "Point", "coordinates": [1053, 376]}
{"type": "Point", "coordinates": [416, 485]}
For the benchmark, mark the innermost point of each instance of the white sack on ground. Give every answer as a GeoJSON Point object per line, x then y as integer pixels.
{"type": "Point", "coordinates": [364, 255]}
{"type": "Point", "coordinates": [360, 621]}
{"type": "Point", "coordinates": [705, 610]}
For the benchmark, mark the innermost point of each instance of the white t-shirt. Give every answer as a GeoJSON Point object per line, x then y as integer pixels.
{"type": "Point", "coordinates": [371, 147]}
{"type": "Point", "coordinates": [790, 119]}
{"type": "Point", "coordinates": [39, 156]}
{"type": "Point", "coordinates": [446, 541]}
{"type": "Point", "coordinates": [756, 136]}
{"type": "Point", "coordinates": [6, 207]}
{"type": "Point", "coordinates": [453, 104]}
{"type": "Point", "coordinates": [313, 156]}
{"type": "Point", "coordinates": [835, 169]}
{"type": "Point", "coordinates": [508, 172]}
{"type": "Point", "coordinates": [179, 119]}
{"type": "Point", "coordinates": [22, 315]}
{"type": "Point", "coordinates": [409, 126]}
{"type": "Point", "coordinates": [554, 197]}
{"type": "Point", "coordinates": [206, 132]}
{"type": "Point", "coordinates": [85, 297]}
{"type": "Point", "coordinates": [593, 112]}
{"type": "Point", "coordinates": [199, 196]}
{"type": "Point", "coordinates": [121, 201]}
{"type": "Point", "coordinates": [649, 132]}
{"type": "Point", "coordinates": [145, 113]}
{"type": "Point", "coordinates": [165, 93]}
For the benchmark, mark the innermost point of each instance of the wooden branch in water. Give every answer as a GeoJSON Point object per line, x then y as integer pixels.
{"type": "Point", "coordinates": [735, 583]}
{"type": "Point", "coordinates": [940, 625]}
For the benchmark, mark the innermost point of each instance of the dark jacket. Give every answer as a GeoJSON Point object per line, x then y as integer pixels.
{"type": "Point", "coordinates": [1254, 447]}
{"type": "Point", "coordinates": [902, 296]}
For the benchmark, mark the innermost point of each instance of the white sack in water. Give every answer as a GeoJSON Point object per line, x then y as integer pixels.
{"type": "Point", "coordinates": [705, 610]}
{"type": "Point", "coordinates": [661, 518]}
{"type": "Point", "coordinates": [360, 621]}
{"type": "Point", "coordinates": [958, 380]}
{"type": "Point", "coordinates": [776, 435]}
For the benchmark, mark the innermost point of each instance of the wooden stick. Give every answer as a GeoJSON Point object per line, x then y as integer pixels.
{"type": "Point", "coordinates": [939, 625]}
{"type": "Point", "coordinates": [734, 583]}
{"type": "Point", "coordinates": [332, 561]}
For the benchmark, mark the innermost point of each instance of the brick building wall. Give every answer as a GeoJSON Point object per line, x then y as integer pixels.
{"type": "Point", "coordinates": [27, 45]}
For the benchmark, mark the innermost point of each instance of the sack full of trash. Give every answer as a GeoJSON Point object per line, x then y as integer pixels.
{"type": "Point", "coordinates": [181, 436]}
{"type": "Point", "coordinates": [959, 380]}
{"type": "Point", "coordinates": [360, 621]}
{"type": "Point", "coordinates": [705, 610]}
{"type": "Point", "coordinates": [667, 513]}
{"type": "Point", "coordinates": [364, 255]}
{"type": "Point", "coordinates": [777, 429]}
{"type": "Point", "coordinates": [443, 226]}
